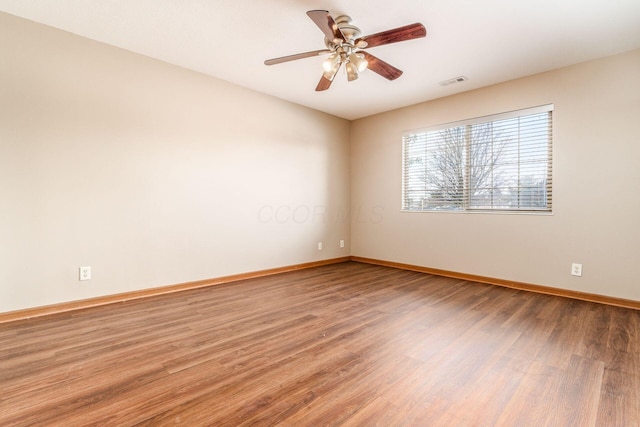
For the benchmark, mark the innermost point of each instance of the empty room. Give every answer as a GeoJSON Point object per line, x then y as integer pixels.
{"type": "Point", "coordinates": [334, 213]}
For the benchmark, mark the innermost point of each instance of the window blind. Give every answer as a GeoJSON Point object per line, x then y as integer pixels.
{"type": "Point", "coordinates": [499, 162]}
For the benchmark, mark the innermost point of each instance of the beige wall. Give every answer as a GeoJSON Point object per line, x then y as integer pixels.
{"type": "Point", "coordinates": [596, 187]}
{"type": "Point", "coordinates": [152, 174]}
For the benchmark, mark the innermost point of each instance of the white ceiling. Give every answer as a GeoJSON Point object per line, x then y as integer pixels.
{"type": "Point", "coordinates": [489, 41]}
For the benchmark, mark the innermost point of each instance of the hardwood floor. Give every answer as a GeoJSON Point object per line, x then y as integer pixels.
{"type": "Point", "coordinates": [345, 344]}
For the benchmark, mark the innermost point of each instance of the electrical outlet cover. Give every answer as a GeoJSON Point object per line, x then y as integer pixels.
{"type": "Point", "coordinates": [85, 273]}
{"type": "Point", "coordinates": [576, 269]}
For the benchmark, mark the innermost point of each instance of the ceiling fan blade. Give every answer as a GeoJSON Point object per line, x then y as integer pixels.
{"type": "Point", "coordinates": [408, 32]}
{"type": "Point", "coordinates": [288, 58]}
{"type": "Point", "coordinates": [325, 22]}
{"type": "Point", "coordinates": [323, 84]}
{"type": "Point", "coordinates": [377, 65]}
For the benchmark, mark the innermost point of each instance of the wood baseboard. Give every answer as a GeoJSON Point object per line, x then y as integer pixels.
{"type": "Point", "coordinates": [143, 293]}
{"type": "Point", "coordinates": [127, 296]}
{"type": "Point", "coordinates": [584, 296]}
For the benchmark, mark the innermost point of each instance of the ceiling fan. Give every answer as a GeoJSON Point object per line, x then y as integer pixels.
{"type": "Point", "coordinates": [345, 46]}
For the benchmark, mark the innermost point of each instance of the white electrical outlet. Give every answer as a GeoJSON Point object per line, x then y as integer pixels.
{"type": "Point", "coordinates": [576, 269]}
{"type": "Point", "coordinates": [342, 243]}
{"type": "Point", "coordinates": [85, 273]}
{"type": "Point", "coordinates": [319, 246]}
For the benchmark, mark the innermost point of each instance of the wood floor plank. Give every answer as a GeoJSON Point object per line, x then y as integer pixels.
{"type": "Point", "coordinates": [346, 344]}
{"type": "Point", "coordinates": [619, 399]}
{"type": "Point", "coordinates": [530, 404]}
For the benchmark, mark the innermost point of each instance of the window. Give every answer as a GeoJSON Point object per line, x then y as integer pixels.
{"type": "Point", "coordinates": [495, 163]}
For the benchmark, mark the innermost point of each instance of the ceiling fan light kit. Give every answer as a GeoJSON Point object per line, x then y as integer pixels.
{"type": "Point", "coordinates": [345, 46]}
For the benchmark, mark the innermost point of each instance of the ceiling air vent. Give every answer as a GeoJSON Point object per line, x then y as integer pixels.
{"type": "Point", "coordinates": [454, 80]}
